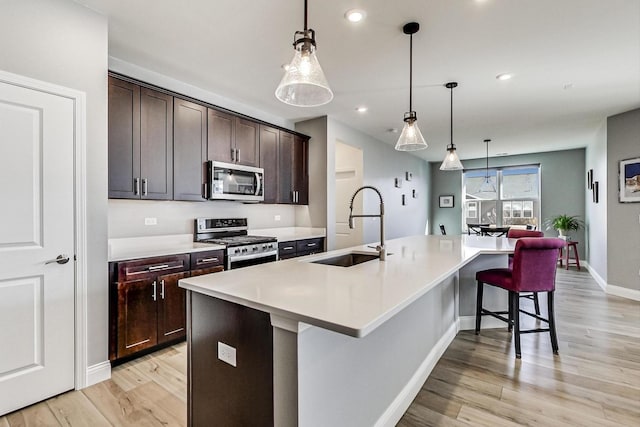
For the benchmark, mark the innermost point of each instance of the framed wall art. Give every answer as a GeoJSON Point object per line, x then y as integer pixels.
{"type": "Point", "coordinates": [629, 186]}
{"type": "Point", "coordinates": [590, 179]}
{"type": "Point", "coordinates": [446, 201]}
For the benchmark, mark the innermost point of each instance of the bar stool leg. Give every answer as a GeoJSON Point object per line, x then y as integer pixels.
{"type": "Point", "coordinates": [515, 301]}
{"type": "Point", "coordinates": [552, 323]}
{"type": "Point", "coordinates": [510, 325]}
{"type": "Point", "coordinates": [536, 303]}
{"type": "Point", "coordinates": [479, 306]}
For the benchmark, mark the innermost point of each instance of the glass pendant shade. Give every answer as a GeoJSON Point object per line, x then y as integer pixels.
{"type": "Point", "coordinates": [304, 83]}
{"type": "Point", "coordinates": [451, 161]}
{"type": "Point", "coordinates": [411, 138]}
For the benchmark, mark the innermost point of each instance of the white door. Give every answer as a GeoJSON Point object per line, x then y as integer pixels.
{"type": "Point", "coordinates": [349, 170]}
{"type": "Point", "coordinates": [36, 225]}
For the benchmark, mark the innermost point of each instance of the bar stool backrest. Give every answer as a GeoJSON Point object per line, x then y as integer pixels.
{"type": "Point", "coordinates": [534, 264]}
{"type": "Point", "coordinates": [515, 233]}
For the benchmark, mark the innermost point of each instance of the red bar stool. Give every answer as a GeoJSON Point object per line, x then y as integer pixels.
{"type": "Point", "coordinates": [534, 270]}
{"type": "Point", "coordinates": [576, 258]}
{"type": "Point", "coordinates": [515, 233]}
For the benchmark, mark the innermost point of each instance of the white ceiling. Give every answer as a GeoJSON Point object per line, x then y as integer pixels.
{"type": "Point", "coordinates": [236, 48]}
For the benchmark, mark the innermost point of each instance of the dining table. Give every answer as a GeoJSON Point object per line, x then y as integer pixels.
{"type": "Point", "coordinates": [494, 231]}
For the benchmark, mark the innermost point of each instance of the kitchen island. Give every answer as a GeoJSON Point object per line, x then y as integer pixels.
{"type": "Point", "coordinates": [317, 344]}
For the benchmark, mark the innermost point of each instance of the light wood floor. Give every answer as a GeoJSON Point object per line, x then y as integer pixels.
{"type": "Point", "coordinates": [594, 381]}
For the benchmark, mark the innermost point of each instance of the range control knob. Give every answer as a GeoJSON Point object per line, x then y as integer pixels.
{"type": "Point", "coordinates": [244, 249]}
{"type": "Point", "coordinates": [236, 251]}
{"type": "Point", "coordinates": [255, 248]}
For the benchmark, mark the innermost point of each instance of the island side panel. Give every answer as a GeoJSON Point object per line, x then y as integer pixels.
{"type": "Point", "coordinates": [347, 381]}
{"type": "Point", "coordinates": [494, 298]}
{"type": "Point", "coordinates": [218, 393]}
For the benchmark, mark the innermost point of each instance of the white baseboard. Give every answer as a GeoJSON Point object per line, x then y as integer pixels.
{"type": "Point", "coordinates": [403, 400]}
{"type": "Point", "coordinates": [468, 323]}
{"type": "Point", "coordinates": [98, 373]}
{"type": "Point", "coordinates": [619, 291]}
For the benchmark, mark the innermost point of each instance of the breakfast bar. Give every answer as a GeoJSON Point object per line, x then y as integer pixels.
{"type": "Point", "coordinates": [304, 342]}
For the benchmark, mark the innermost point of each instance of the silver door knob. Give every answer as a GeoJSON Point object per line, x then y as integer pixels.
{"type": "Point", "coordinates": [60, 259]}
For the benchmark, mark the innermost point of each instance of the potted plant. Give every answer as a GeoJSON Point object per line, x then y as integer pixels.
{"type": "Point", "coordinates": [564, 223]}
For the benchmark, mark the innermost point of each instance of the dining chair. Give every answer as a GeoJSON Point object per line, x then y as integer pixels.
{"type": "Point", "coordinates": [515, 233]}
{"type": "Point", "coordinates": [534, 270]}
{"type": "Point", "coordinates": [443, 231]}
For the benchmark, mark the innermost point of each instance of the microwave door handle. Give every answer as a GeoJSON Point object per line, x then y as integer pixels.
{"type": "Point", "coordinates": [258, 184]}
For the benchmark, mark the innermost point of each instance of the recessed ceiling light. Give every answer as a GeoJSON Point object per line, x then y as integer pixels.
{"type": "Point", "coordinates": [501, 154]}
{"type": "Point", "coordinates": [504, 76]}
{"type": "Point", "coordinates": [361, 109]}
{"type": "Point", "coordinates": [355, 15]}
{"type": "Point", "coordinates": [568, 86]}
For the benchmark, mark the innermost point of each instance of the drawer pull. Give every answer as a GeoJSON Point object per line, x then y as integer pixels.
{"type": "Point", "coordinates": [158, 267]}
{"type": "Point", "coordinates": [154, 295]}
{"type": "Point", "coordinates": [287, 248]}
{"type": "Point", "coordinates": [204, 260]}
{"type": "Point", "coordinates": [310, 245]}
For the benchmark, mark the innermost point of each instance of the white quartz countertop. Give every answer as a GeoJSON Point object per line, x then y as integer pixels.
{"type": "Point", "coordinates": [150, 246]}
{"type": "Point", "coordinates": [350, 300]}
{"type": "Point", "coordinates": [290, 233]}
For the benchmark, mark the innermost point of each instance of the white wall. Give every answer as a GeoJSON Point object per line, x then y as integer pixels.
{"type": "Point", "coordinates": [61, 42]}
{"type": "Point", "coordinates": [596, 213]}
{"type": "Point", "coordinates": [126, 217]}
{"type": "Point", "coordinates": [315, 214]}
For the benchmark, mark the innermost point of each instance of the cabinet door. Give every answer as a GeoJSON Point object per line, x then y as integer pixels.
{"type": "Point", "coordinates": [189, 150]}
{"type": "Point", "coordinates": [269, 139]}
{"type": "Point", "coordinates": [124, 139]}
{"type": "Point", "coordinates": [137, 321]}
{"type": "Point", "coordinates": [221, 135]}
{"type": "Point", "coordinates": [172, 320]}
{"type": "Point", "coordinates": [300, 174]}
{"type": "Point", "coordinates": [247, 143]}
{"type": "Point", "coordinates": [156, 145]}
{"type": "Point", "coordinates": [285, 168]}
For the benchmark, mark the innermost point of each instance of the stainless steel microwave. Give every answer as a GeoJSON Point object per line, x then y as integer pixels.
{"type": "Point", "coordinates": [228, 181]}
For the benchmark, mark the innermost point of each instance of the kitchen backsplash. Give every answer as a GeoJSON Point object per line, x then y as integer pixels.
{"type": "Point", "coordinates": [127, 217]}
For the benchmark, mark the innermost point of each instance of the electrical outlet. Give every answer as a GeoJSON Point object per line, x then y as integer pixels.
{"type": "Point", "coordinates": [276, 218]}
{"type": "Point", "coordinates": [150, 221]}
{"type": "Point", "coordinates": [227, 354]}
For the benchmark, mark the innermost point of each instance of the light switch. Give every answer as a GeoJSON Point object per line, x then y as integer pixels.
{"type": "Point", "coordinates": [227, 354]}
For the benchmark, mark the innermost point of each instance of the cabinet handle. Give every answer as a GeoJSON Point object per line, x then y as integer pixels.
{"type": "Point", "coordinates": [144, 186]}
{"type": "Point", "coordinates": [203, 260]}
{"type": "Point", "coordinates": [154, 291]}
{"type": "Point", "coordinates": [205, 191]}
{"type": "Point", "coordinates": [287, 248]}
{"type": "Point", "coordinates": [136, 186]}
{"type": "Point", "coordinates": [158, 267]}
{"type": "Point", "coordinates": [162, 289]}
{"type": "Point", "coordinates": [310, 245]}
{"type": "Point", "coordinates": [233, 154]}
{"type": "Point", "coordinates": [237, 154]}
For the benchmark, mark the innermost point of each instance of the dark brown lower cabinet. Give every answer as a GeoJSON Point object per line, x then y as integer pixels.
{"type": "Point", "coordinates": [219, 393]}
{"type": "Point", "coordinates": [296, 248]}
{"type": "Point", "coordinates": [147, 307]}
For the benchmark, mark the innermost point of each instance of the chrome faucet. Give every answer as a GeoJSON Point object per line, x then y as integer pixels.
{"type": "Point", "coordinates": [382, 251]}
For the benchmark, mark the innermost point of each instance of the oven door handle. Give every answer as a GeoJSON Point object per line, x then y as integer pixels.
{"type": "Point", "coordinates": [252, 256]}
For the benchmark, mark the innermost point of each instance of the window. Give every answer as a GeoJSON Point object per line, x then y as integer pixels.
{"type": "Point", "coordinates": [503, 197]}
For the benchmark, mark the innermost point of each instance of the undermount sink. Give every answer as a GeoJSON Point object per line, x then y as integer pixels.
{"type": "Point", "coordinates": [347, 260]}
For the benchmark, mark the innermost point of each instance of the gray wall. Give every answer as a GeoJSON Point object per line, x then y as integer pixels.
{"type": "Point", "coordinates": [381, 165]}
{"type": "Point", "coordinates": [61, 42]}
{"type": "Point", "coordinates": [623, 225]}
{"type": "Point", "coordinates": [563, 188]}
{"type": "Point", "coordinates": [596, 213]}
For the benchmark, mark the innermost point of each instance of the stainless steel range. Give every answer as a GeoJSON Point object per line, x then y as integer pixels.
{"type": "Point", "coordinates": [241, 249]}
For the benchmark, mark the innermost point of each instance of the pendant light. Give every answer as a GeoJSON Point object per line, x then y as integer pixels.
{"type": "Point", "coordinates": [451, 161]}
{"type": "Point", "coordinates": [487, 186]}
{"type": "Point", "coordinates": [411, 138]}
{"type": "Point", "coordinates": [304, 83]}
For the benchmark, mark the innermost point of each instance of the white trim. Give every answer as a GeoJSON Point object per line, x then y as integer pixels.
{"type": "Point", "coordinates": [401, 403]}
{"type": "Point", "coordinates": [98, 373]}
{"type": "Point", "coordinates": [468, 323]}
{"type": "Point", "coordinates": [80, 205]}
{"type": "Point", "coordinates": [620, 291]}
{"type": "Point", "coordinates": [599, 280]}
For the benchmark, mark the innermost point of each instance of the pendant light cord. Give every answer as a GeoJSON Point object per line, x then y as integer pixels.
{"type": "Point", "coordinates": [305, 17]}
{"type": "Point", "coordinates": [410, 72]}
{"type": "Point", "coordinates": [451, 116]}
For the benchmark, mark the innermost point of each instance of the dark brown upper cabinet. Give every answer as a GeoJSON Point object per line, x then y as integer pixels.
{"type": "Point", "coordinates": [232, 139]}
{"type": "Point", "coordinates": [293, 178]}
{"type": "Point", "coordinates": [189, 150]}
{"type": "Point", "coordinates": [269, 142]}
{"type": "Point", "coordinates": [140, 142]}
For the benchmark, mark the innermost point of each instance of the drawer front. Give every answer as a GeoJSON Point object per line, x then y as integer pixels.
{"type": "Point", "coordinates": [148, 268]}
{"type": "Point", "coordinates": [200, 260]}
{"type": "Point", "coordinates": [310, 245]}
{"type": "Point", "coordinates": [286, 249]}
{"type": "Point", "coordinates": [201, 271]}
